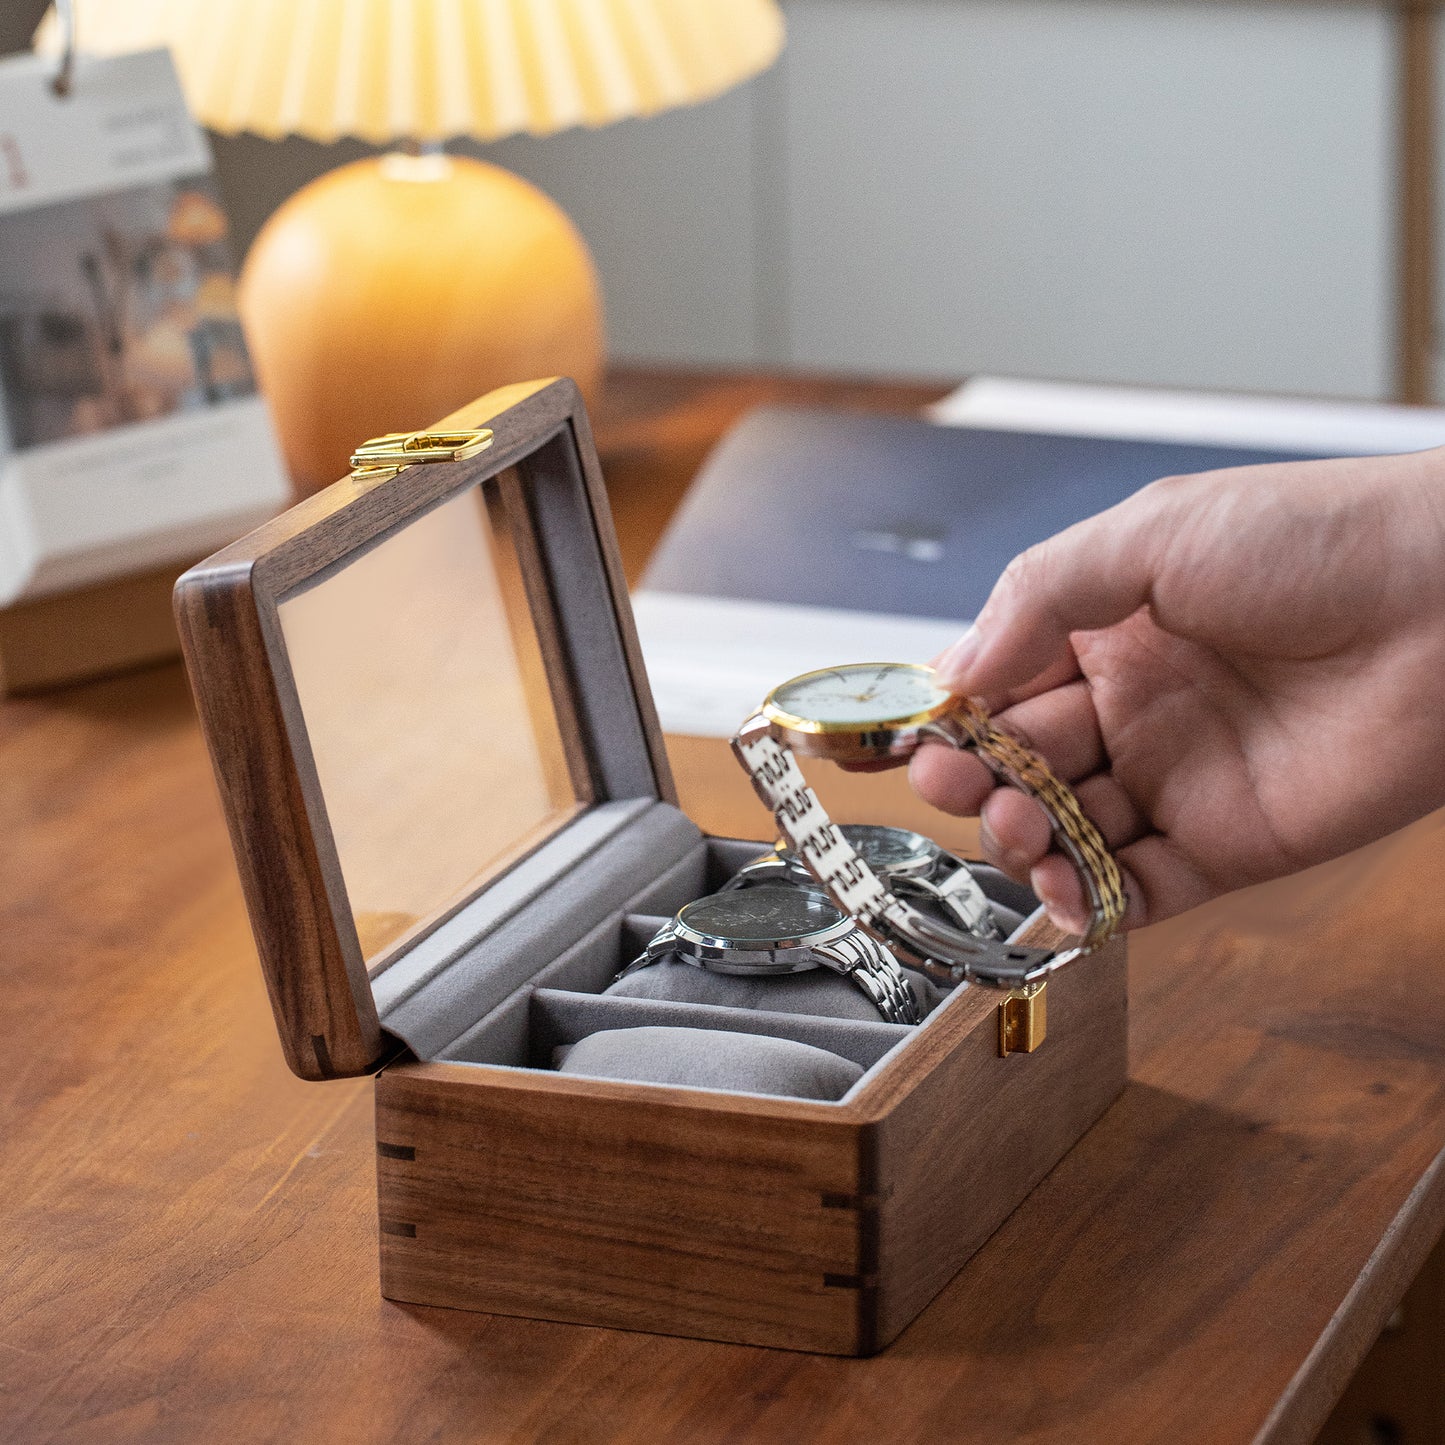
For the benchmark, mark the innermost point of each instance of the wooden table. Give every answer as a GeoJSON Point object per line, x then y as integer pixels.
{"type": "Point", "coordinates": [187, 1238]}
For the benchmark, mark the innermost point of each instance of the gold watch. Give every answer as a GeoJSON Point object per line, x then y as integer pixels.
{"type": "Point", "coordinates": [867, 712]}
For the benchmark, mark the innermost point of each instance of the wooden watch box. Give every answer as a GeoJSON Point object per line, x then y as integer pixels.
{"type": "Point", "coordinates": [454, 821]}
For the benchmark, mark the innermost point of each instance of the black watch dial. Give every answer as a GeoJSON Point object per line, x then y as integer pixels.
{"type": "Point", "coordinates": [884, 849]}
{"type": "Point", "coordinates": [887, 848]}
{"type": "Point", "coordinates": [760, 917]}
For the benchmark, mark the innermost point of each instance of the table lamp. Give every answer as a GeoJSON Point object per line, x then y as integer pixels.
{"type": "Point", "coordinates": [389, 291]}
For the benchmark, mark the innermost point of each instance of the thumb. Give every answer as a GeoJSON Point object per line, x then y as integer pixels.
{"type": "Point", "coordinates": [1092, 575]}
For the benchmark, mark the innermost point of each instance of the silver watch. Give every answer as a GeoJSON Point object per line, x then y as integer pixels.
{"type": "Point", "coordinates": [881, 712]}
{"type": "Point", "coordinates": [908, 862]}
{"type": "Point", "coordinates": [769, 930]}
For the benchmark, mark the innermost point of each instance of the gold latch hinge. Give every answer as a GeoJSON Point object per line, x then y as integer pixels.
{"type": "Point", "coordinates": [1023, 1020]}
{"type": "Point", "coordinates": [390, 453]}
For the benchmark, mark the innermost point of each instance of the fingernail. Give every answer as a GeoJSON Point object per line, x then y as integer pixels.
{"type": "Point", "coordinates": [952, 666]}
{"type": "Point", "coordinates": [1069, 919]}
{"type": "Point", "coordinates": [1009, 860]}
{"type": "Point", "coordinates": [1067, 915]}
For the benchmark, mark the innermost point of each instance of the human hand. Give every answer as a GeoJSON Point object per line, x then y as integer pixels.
{"type": "Point", "coordinates": [1241, 673]}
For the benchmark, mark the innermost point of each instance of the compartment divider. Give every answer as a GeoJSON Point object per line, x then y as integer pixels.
{"type": "Point", "coordinates": [725, 856]}
{"type": "Point", "coordinates": [638, 930]}
{"type": "Point", "coordinates": [560, 1017]}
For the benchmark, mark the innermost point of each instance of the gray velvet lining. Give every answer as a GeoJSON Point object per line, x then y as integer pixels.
{"type": "Point", "coordinates": [566, 531]}
{"type": "Point", "coordinates": [588, 907]}
{"type": "Point", "coordinates": [702, 1058]}
{"type": "Point", "coordinates": [559, 1018]}
{"type": "Point", "coordinates": [523, 969]}
{"type": "Point", "coordinates": [459, 936]}
{"type": "Point", "coordinates": [569, 897]}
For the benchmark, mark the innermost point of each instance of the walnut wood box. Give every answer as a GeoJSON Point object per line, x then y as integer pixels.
{"type": "Point", "coordinates": [453, 818]}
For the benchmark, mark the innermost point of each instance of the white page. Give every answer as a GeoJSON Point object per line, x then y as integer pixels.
{"type": "Point", "coordinates": [712, 660]}
{"type": "Point", "coordinates": [1338, 428]}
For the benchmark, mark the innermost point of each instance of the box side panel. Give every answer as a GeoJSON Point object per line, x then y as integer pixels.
{"type": "Point", "coordinates": [963, 1148]}
{"type": "Point", "coordinates": [621, 1212]}
{"type": "Point", "coordinates": [295, 895]}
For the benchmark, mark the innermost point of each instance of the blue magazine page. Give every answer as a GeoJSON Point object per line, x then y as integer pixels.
{"type": "Point", "coordinates": [893, 515]}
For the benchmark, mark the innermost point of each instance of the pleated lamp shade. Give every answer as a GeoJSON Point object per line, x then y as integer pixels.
{"type": "Point", "coordinates": [389, 292]}
{"type": "Point", "coordinates": [427, 70]}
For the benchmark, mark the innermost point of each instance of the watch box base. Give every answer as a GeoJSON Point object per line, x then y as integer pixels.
{"type": "Point", "coordinates": [824, 1227]}
{"type": "Point", "coordinates": [454, 822]}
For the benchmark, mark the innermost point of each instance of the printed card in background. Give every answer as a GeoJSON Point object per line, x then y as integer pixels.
{"type": "Point", "coordinates": [131, 428]}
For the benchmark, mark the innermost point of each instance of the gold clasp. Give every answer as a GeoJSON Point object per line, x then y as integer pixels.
{"type": "Point", "coordinates": [398, 449]}
{"type": "Point", "coordinates": [1023, 1020]}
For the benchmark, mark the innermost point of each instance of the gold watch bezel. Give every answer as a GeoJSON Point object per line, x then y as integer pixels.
{"type": "Point", "coordinates": [781, 717]}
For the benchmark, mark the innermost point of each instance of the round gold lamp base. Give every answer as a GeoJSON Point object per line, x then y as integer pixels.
{"type": "Point", "coordinates": [392, 291]}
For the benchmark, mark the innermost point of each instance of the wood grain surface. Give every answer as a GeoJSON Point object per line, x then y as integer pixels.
{"type": "Point", "coordinates": [1398, 1394]}
{"type": "Point", "coordinates": [760, 1221]}
{"type": "Point", "coordinates": [607, 1203]}
{"type": "Point", "coordinates": [371, 697]}
{"type": "Point", "coordinates": [188, 1237]}
{"type": "Point", "coordinates": [90, 632]}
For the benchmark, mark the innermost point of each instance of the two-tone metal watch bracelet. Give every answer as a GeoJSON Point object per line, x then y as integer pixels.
{"type": "Point", "coordinates": [947, 954]}
{"type": "Point", "coordinates": [969, 728]}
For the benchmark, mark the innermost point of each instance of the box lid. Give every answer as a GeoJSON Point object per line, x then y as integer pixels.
{"type": "Point", "coordinates": [408, 683]}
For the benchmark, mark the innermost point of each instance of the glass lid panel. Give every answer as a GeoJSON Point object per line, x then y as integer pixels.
{"type": "Point", "coordinates": [444, 749]}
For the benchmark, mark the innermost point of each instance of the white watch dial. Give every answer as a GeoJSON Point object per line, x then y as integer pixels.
{"type": "Point", "coordinates": [862, 694]}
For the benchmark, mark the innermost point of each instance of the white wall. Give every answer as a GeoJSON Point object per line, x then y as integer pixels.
{"type": "Point", "coordinates": [1439, 319]}
{"type": "Point", "coordinates": [671, 208]}
{"type": "Point", "coordinates": [1197, 192]}
{"type": "Point", "coordinates": [1181, 193]}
